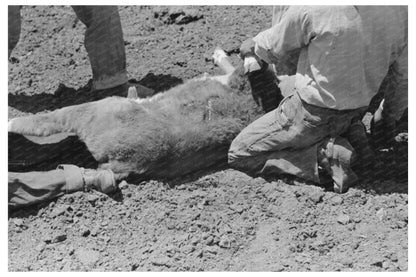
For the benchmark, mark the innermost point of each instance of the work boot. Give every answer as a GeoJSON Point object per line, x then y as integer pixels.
{"type": "Point", "coordinates": [121, 90]}
{"type": "Point", "coordinates": [101, 179]}
{"type": "Point", "coordinates": [335, 156]}
{"type": "Point", "coordinates": [366, 161]}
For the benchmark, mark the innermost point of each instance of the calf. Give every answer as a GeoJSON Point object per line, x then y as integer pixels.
{"type": "Point", "coordinates": [184, 129]}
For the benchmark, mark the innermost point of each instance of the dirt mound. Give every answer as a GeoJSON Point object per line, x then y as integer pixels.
{"type": "Point", "coordinates": [220, 220]}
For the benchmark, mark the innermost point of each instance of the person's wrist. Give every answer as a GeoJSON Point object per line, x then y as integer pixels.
{"type": "Point", "coordinates": [253, 63]}
{"type": "Point", "coordinates": [247, 48]}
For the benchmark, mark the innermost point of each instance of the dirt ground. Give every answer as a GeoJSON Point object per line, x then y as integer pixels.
{"type": "Point", "coordinates": [221, 220]}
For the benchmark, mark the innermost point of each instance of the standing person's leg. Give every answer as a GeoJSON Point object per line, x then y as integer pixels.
{"type": "Point", "coordinates": [34, 187]}
{"type": "Point", "coordinates": [14, 27]}
{"type": "Point", "coordinates": [396, 95]}
{"type": "Point", "coordinates": [105, 45]}
{"type": "Point", "coordinates": [384, 129]}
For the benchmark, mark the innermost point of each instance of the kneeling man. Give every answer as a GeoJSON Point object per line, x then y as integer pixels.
{"type": "Point", "coordinates": [345, 52]}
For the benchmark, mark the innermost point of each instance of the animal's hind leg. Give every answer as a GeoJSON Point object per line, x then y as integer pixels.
{"type": "Point", "coordinates": [36, 125]}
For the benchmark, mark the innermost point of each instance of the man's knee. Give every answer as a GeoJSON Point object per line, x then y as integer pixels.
{"type": "Point", "coordinates": [236, 152]}
{"type": "Point", "coordinates": [242, 158]}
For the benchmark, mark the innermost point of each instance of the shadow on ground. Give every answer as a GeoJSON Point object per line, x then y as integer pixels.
{"type": "Point", "coordinates": [67, 96]}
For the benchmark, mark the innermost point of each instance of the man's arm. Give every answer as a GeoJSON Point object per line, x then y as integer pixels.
{"type": "Point", "coordinates": [293, 32]}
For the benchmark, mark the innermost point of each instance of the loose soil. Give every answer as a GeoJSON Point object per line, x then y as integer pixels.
{"type": "Point", "coordinates": [218, 220]}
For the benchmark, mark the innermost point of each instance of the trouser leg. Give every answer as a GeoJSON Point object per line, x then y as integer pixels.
{"type": "Point", "coordinates": [285, 140]}
{"type": "Point", "coordinates": [105, 45]}
{"type": "Point", "coordinates": [14, 27]}
{"type": "Point", "coordinates": [282, 140]}
{"type": "Point", "coordinates": [396, 96]}
{"type": "Point", "coordinates": [34, 187]}
{"type": "Point", "coordinates": [395, 101]}
{"type": "Point", "coordinates": [297, 162]}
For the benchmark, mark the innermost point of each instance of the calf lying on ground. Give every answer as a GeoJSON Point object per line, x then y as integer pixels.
{"type": "Point", "coordinates": [187, 128]}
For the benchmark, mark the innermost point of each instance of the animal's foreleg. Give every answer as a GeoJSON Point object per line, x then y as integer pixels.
{"type": "Point", "coordinates": [222, 60]}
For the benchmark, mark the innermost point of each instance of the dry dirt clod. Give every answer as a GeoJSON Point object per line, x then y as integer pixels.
{"type": "Point", "coordinates": [58, 211]}
{"type": "Point", "coordinates": [381, 214]}
{"type": "Point", "coordinates": [59, 237]}
{"type": "Point", "coordinates": [336, 200]}
{"type": "Point", "coordinates": [95, 231]}
{"type": "Point", "coordinates": [162, 261]}
{"type": "Point", "coordinates": [209, 240]}
{"type": "Point", "coordinates": [85, 231]}
{"type": "Point", "coordinates": [393, 257]}
{"type": "Point", "coordinates": [106, 239]}
{"type": "Point", "coordinates": [225, 242]}
{"type": "Point", "coordinates": [192, 229]}
{"type": "Point", "coordinates": [92, 198]}
{"type": "Point", "coordinates": [18, 222]}
{"type": "Point", "coordinates": [316, 196]}
{"type": "Point", "coordinates": [212, 250]}
{"type": "Point", "coordinates": [40, 247]}
{"type": "Point", "coordinates": [343, 219]}
{"type": "Point", "coordinates": [87, 257]}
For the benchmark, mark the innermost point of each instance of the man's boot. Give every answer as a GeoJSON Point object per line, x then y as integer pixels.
{"type": "Point", "coordinates": [121, 90]}
{"type": "Point", "coordinates": [366, 163]}
{"type": "Point", "coordinates": [335, 156]}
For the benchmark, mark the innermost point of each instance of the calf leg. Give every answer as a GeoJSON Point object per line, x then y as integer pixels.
{"type": "Point", "coordinates": [221, 60]}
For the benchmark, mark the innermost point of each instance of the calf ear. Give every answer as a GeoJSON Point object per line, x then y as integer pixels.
{"type": "Point", "coordinates": [132, 93]}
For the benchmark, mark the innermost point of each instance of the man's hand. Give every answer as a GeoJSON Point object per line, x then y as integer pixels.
{"type": "Point", "coordinates": [251, 61]}
{"type": "Point", "coordinates": [247, 48]}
